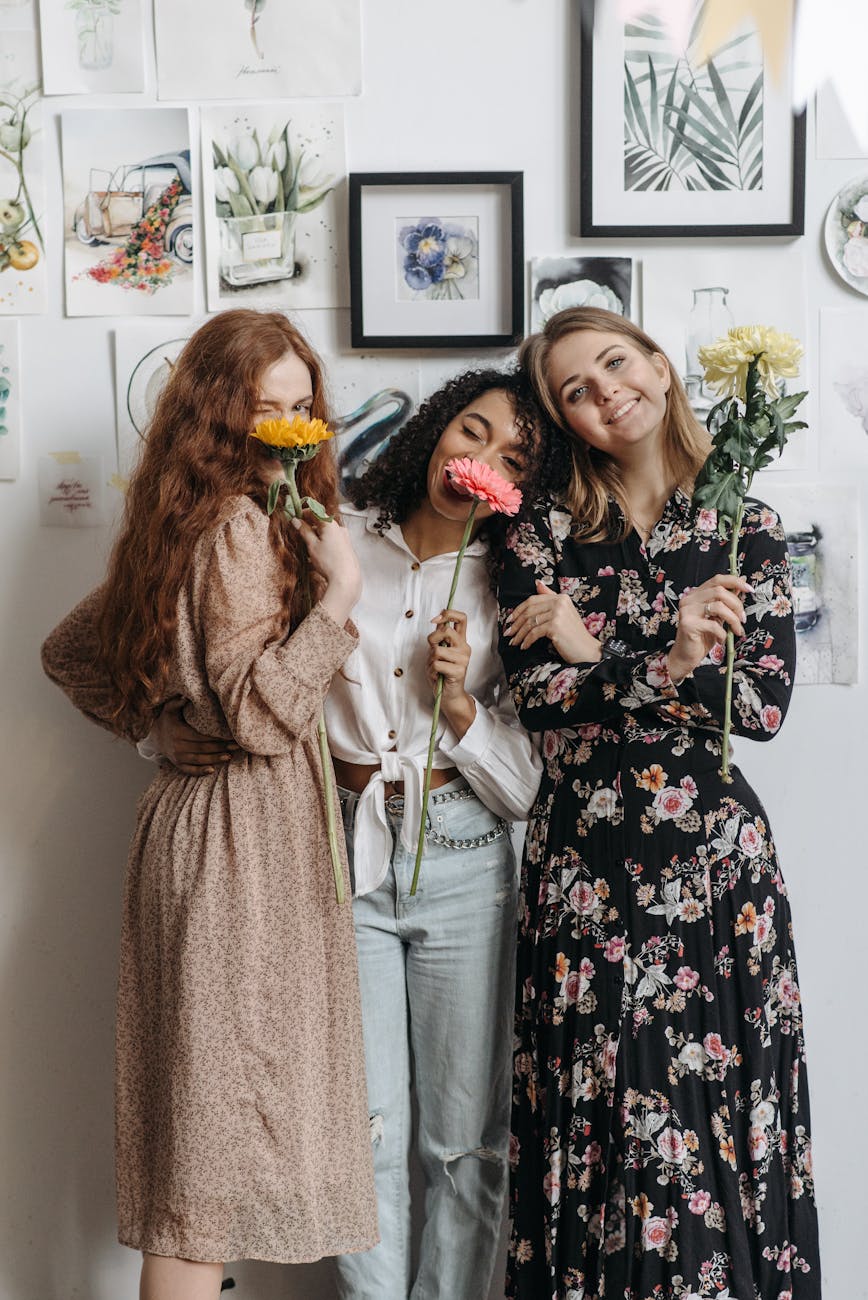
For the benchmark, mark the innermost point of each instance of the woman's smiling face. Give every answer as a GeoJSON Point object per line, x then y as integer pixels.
{"type": "Point", "coordinates": [610, 393]}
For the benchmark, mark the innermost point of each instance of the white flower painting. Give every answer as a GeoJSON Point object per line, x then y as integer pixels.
{"type": "Point", "coordinates": [275, 214]}
{"type": "Point", "coordinates": [560, 282]}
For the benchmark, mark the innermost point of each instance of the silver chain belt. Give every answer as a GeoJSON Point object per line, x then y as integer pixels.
{"type": "Point", "coordinates": [395, 806]}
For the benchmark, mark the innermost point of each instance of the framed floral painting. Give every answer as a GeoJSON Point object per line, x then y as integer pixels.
{"type": "Point", "coordinates": [436, 259]}
{"type": "Point", "coordinates": [678, 140]}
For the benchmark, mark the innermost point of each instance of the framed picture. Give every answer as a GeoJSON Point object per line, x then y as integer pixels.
{"type": "Point", "coordinates": [675, 143]}
{"type": "Point", "coordinates": [436, 259]}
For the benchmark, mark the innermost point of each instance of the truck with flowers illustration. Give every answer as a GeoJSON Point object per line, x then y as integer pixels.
{"type": "Point", "coordinates": [117, 200]}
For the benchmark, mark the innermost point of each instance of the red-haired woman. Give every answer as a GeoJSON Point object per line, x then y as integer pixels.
{"type": "Point", "coordinates": [241, 1115]}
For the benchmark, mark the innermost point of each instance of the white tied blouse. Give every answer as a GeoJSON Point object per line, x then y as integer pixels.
{"type": "Point", "coordinates": [379, 710]}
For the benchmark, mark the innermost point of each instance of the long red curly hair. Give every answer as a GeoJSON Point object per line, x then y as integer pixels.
{"type": "Point", "coordinates": [197, 454]}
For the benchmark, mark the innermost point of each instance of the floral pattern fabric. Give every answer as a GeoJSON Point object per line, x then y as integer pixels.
{"type": "Point", "coordinates": [661, 1146]}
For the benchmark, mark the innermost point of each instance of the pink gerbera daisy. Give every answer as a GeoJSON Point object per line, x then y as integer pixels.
{"type": "Point", "coordinates": [481, 481]}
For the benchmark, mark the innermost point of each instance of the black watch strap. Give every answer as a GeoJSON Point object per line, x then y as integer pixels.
{"type": "Point", "coordinates": [615, 648]}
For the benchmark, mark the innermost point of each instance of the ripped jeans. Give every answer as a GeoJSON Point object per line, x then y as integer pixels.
{"type": "Point", "coordinates": [436, 973]}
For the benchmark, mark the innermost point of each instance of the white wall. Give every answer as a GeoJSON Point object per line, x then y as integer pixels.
{"type": "Point", "coordinates": [466, 84]}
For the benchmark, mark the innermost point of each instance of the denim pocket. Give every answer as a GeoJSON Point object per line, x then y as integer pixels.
{"type": "Point", "coordinates": [465, 822]}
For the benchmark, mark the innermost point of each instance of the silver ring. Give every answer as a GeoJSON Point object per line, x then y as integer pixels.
{"type": "Point", "coordinates": [706, 613]}
{"type": "Point", "coordinates": [535, 619]}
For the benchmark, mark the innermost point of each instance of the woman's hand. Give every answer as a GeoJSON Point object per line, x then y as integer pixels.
{"type": "Point", "coordinates": [333, 558]}
{"type": "Point", "coordinates": [450, 655]}
{"type": "Point", "coordinates": [552, 615]}
{"type": "Point", "coordinates": [704, 617]}
{"type": "Point", "coordinates": [187, 749]}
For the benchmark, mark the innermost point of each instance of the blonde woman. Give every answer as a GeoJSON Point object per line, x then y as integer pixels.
{"type": "Point", "coordinates": [660, 1113]}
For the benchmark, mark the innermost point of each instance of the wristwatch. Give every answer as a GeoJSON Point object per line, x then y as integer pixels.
{"type": "Point", "coordinates": [614, 648]}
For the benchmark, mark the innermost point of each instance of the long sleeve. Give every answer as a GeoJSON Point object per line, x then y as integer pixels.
{"type": "Point", "coordinates": [551, 694]}
{"type": "Point", "coordinates": [764, 668]}
{"type": "Point", "coordinates": [69, 658]}
{"type": "Point", "coordinates": [497, 758]}
{"type": "Point", "coordinates": [271, 690]}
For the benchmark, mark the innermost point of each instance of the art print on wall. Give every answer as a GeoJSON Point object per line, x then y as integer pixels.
{"type": "Point", "coordinates": [674, 145]}
{"type": "Point", "coordinates": [843, 388]}
{"type": "Point", "coordinates": [370, 398]}
{"type": "Point", "coordinates": [22, 196]}
{"type": "Point", "coordinates": [436, 259]}
{"type": "Point", "coordinates": [693, 296]}
{"type": "Point", "coordinates": [10, 400]}
{"type": "Point", "coordinates": [71, 490]}
{"type": "Point", "coordinates": [822, 527]}
{"type": "Point", "coordinates": [145, 353]}
{"type": "Point", "coordinates": [275, 213]}
{"type": "Point", "coordinates": [92, 46]}
{"type": "Point", "coordinates": [561, 282]}
{"type": "Point", "coordinates": [846, 233]}
{"type": "Point", "coordinates": [257, 49]}
{"type": "Point", "coordinates": [128, 212]}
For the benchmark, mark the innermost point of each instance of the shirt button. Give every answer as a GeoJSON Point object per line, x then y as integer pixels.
{"type": "Point", "coordinates": [415, 565]}
{"type": "Point", "coordinates": [399, 672]}
{"type": "Point", "coordinates": [392, 735]}
{"type": "Point", "coordinates": [408, 613]}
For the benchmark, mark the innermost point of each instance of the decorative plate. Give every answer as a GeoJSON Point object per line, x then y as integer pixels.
{"type": "Point", "coordinates": [148, 380]}
{"type": "Point", "coordinates": [846, 233]}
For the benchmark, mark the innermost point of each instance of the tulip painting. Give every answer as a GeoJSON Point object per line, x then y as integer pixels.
{"type": "Point", "coordinates": [273, 221]}
{"type": "Point", "coordinates": [254, 175]}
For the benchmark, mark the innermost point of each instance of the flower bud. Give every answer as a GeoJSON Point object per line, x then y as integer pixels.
{"type": "Point", "coordinates": [244, 152]}
{"type": "Point", "coordinates": [225, 182]}
{"type": "Point", "coordinates": [263, 183]}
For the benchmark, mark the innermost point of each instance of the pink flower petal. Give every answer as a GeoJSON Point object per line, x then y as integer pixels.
{"type": "Point", "coordinates": [484, 483]}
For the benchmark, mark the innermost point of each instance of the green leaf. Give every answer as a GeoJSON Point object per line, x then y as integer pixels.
{"type": "Point", "coordinates": [787, 404]}
{"type": "Point", "coordinates": [748, 105]}
{"type": "Point", "coordinates": [636, 104]}
{"type": "Point", "coordinates": [311, 504]}
{"type": "Point", "coordinates": [274, 494]}
{"type": "Point", "coordinates": [721, 95]}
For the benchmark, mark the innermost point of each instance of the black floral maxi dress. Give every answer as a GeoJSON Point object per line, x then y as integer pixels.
{"type": "Point", "coordinates": [661, 1145]}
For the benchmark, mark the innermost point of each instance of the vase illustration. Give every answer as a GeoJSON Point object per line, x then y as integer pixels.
{"type": "Point", "coordinates": [709, 319]}
{"type": "Point", "coordinates": [258, 248]}
{"type": "Point", "coordinates": [803, 564]}
{"type": "Point", "coordinates": [95, 28]}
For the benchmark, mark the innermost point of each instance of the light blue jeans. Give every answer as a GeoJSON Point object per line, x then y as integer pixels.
{"type": "Point", "coordinates": [436, 976]}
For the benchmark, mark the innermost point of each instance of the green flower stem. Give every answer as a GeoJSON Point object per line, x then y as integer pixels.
{"type": "Point", "coordinates": [331, 825]}
{"type": "Point", "coordinates": [438, 695]}
{"type": "Point", "coordinates": [294, 509]}
{"type": "Point", "coordinates": [730, 651]}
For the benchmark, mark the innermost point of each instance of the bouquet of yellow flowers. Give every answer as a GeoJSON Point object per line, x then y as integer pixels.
{"type": "Point", "coordinates": [291, 442]}
{"type": "Point", "coordinates": [749, 427]}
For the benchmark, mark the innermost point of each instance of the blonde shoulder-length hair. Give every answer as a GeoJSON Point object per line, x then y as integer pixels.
{"type": "Point", "coordinates": [595, 477]}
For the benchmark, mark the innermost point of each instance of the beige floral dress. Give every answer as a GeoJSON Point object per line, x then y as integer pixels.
{"type": "Point", "coordinates": [241, 1114]}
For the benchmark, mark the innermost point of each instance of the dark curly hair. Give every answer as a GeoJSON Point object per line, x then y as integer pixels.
{"type": "Point", "coordinates": [397, 479]}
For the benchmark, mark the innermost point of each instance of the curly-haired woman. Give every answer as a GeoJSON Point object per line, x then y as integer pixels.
{"type": "Point", "coordinates": [241, 1116]}
{"type": "Point", "coordinates": [436, 967]}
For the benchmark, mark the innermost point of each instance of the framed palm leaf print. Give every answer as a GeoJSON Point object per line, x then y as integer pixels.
{"type": "Point", "coordinates": [676, 145]}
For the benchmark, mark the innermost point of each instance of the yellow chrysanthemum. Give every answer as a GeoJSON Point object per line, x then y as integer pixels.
{"type": "Point", "coordinates": [726, 360]}
{"type": "Point", "coordinates": [296, 432]}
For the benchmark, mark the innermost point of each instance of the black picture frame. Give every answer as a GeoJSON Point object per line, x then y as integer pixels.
{"type": "Point", "coordinates": [789, 220]}
{"type": "Point", "coordinates": [385, 310]}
